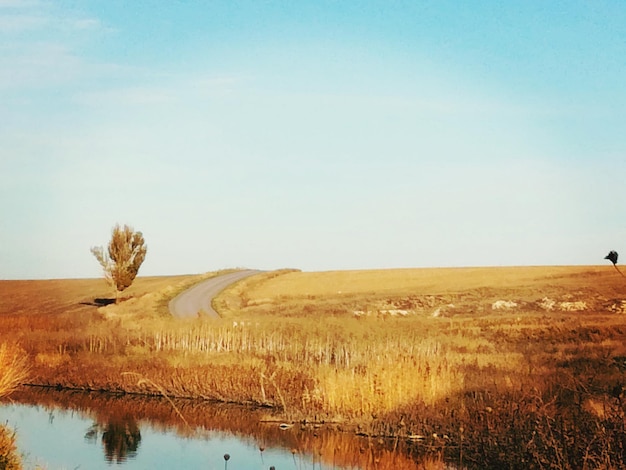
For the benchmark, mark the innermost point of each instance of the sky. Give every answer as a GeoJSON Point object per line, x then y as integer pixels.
{"type": "Point", "coordinates": [317, 135]}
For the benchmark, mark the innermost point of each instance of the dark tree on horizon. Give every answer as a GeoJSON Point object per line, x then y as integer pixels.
{"type": "Point", "coordinates": [612, 257]}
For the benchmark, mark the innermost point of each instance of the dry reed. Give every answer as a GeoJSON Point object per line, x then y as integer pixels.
{"type": "Point", "coordinates": [9, 459]}
{"type": "Point", "coordinates": [13, 371]}
{"type": "Point", "coordinates": [13, 368]}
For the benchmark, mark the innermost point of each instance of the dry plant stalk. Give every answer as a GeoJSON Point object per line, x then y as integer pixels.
{"type": "Point", "coordinates": [143, 381]}
{"type": "Point", "coordinates": [9, 457]}
{"type": "Point", "coordinates": [13, 368]}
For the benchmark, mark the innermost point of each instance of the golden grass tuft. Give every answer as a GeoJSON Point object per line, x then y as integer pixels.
{"type": "Point", "coordinates": [384, 387]}
{"type": "Point", "coordinates": [431, 462]}
{"type": "Point", "coordinates": [9, 458]}
{"type": "Point", "coordinates": [13, 371]}
{"type": "Point", "coordinates": [13, 368]}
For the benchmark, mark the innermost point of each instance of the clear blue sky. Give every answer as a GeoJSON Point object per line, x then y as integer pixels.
{"type": "Point", "coordinates": [315, 135]}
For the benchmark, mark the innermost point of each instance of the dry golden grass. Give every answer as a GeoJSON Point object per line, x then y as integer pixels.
{"type": "Point", "coordinates": [436, 291]}
{"type": "Point", "coordinates": [9, 459]}
{"type": "Point", "coordinates": [13, 371]}
{"type": "Point", "coordinates": [414, 353]}
{"type": "Point", "coordinates": [432, 280]}
{"type": "Point", "coordinates": [75, 296]}
{"type": "Point", "coordinates": [13, 368]}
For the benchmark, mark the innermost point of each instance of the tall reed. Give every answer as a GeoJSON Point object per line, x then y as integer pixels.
{"type": "Point", "coordinates": [13, 368]}
{"type": "Point", "coordinates": [13, 371]}
{"type": "Point", "coordinates": [9, 458]}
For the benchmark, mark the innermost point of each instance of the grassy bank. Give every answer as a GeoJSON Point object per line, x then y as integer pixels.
{"type": "Point", "coordinates": [13, 371]}
{"type": "Point", "coordinates": [493, 367]}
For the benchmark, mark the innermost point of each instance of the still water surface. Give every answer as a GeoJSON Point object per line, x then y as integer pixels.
{"type": "Point", "coordinates": [72, 430]}
{"type": "Point", "coordinates": [66, 439]}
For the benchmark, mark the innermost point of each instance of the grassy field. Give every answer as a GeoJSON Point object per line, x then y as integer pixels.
{"type": "Point", "coordinates": [490, 367]}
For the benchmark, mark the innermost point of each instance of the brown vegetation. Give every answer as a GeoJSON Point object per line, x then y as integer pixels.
{"type": "Point", "coordinates": [9, 459]}
{"type": "Point", "coordinates": [491, 367]}
{"type": "Point", "coordinates": [13, 371]}
{"type": "Point", "coordinates": [124, 256]}
{"type": "Point", "coordinates": [13, 368]}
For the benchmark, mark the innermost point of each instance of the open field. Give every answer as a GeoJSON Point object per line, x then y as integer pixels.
{"type": "Point", "coordinates": [475, 289]}
{"type": "Point", "coordinates": [63, 296]}
{"type": "Point", "coordinates": [493, 367]}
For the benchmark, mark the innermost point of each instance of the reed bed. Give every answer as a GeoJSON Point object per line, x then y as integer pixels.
{"type": "Point", "coordinates": [336, 370]}
{"type": "Point", "coordinates": [352, 373]}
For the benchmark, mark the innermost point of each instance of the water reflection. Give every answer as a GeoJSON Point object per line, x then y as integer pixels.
{"type": "Point", "coordinates": [120, 437]}
{"type": "Point", "coordinates": [135, 431]}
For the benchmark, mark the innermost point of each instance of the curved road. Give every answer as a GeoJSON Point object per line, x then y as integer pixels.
{"type": "Point", "coordinates": [199, 297]}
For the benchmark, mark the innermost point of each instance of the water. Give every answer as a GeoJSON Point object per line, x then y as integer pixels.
{"type": "Point", "coordinates": [67, 439]}
{"type": "Point", "coordinates": [66, 431]}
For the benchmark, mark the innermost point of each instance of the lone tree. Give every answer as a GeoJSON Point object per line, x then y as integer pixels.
{"type": "Point", "coordinates": [612, 257]}
{"type": "Point", "coordinates": [126, 251]}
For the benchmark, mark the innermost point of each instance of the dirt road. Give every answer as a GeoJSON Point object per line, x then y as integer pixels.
{"type": "Point", "coordinates": [199, 297]}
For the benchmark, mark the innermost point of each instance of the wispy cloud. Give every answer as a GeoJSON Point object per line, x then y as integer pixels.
{"type": "Point", "coordinates": [172, 89]}
{"type": "Point", "coordinates": [40, 44]}
{"type": "Point", "coordinates": [127, 96]}
{"type": "Point", "coordinates": [19, 3]}
{"type": "Point", "coordinates": [21, 16]}
{"type": "Point", "coordinates": [37, 64]}
{"type": "Point", "coordinates": [219, 83]}
{"type": "Point", "coordinates": [18, 23]}
{"type": "Point", "coordinates": [84, 24]}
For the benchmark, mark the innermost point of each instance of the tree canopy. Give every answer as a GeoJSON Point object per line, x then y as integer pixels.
{"type": "Point", "coordinates": [123, 258]}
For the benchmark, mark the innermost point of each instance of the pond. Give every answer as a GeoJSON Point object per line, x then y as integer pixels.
{"type": "Point", "coordinates": [77, 430]}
